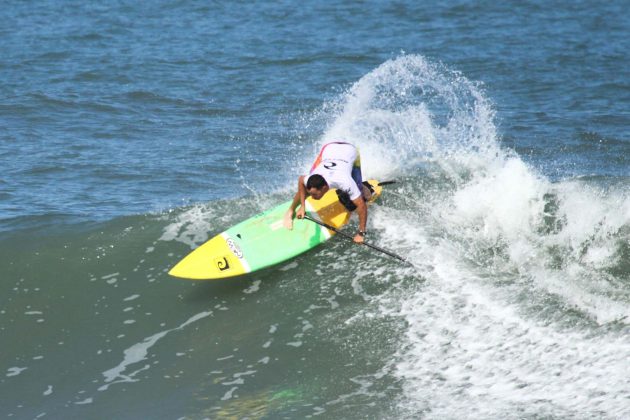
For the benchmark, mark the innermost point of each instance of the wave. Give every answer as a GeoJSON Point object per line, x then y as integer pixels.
{"type": "Point", "coordinates": [533, 269]}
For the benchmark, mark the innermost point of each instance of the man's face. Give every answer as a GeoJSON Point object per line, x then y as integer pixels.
{"type": "Point", "coordinates": [317, 194]}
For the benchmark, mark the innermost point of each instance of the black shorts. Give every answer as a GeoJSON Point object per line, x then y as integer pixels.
{"type": "Point", "coordinates": [344, 197]}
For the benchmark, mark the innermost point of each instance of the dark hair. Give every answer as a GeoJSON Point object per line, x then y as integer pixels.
{"type": "Point", "coordinates": [316, 181]}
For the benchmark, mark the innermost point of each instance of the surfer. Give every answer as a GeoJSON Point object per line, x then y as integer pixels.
{"type": "Point", "coordinates": [338, 165]}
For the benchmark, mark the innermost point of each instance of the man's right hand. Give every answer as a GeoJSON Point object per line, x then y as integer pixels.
{"type": "Point", "coordinates": [300, 213]}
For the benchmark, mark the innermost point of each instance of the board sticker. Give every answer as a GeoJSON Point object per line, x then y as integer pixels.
{"type": "Point", "coordinates": [222, 263]}
{"type": "Point", "coordinates": [234, 248]}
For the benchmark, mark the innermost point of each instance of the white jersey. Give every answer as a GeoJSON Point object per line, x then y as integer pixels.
{"type": "Point", "coordinates": [335, 163]}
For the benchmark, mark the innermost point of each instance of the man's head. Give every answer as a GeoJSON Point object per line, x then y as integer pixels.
{"type": "Point", "coordinates": [316, 186]}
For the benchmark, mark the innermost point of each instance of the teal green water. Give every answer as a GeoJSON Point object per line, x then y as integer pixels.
{"type": "Point", "coordinates": [228, 348]}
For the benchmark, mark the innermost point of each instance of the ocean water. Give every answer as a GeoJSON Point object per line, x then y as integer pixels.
{"type": "Point", "coordinates": [131, 132]}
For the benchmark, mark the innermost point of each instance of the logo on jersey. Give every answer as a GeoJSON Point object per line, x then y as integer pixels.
{"type": "Point", "coordinates": [330, 165]}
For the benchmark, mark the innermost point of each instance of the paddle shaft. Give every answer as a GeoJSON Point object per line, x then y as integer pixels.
{"type": "Point", "coordinates": [345, 235]}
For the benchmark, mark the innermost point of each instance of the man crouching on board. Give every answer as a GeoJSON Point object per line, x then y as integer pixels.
{"type": "Point", "coordinates": [338, 165]}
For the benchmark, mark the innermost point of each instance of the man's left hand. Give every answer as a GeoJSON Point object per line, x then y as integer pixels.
{"type": "Point", "coordinates": [358, 239]}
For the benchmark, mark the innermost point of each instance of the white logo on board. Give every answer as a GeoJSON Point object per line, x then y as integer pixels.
{"type": "Point", "coordinates": [234, 248]}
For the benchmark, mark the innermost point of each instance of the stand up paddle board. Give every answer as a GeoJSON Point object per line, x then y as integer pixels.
{"type": "Point", "coordinates": [262, 240]}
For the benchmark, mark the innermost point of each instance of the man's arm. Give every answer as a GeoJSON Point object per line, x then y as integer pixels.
{"type": "Point", "coordinates": [362, 212]}
{"type": "Point", "coordinates": [298, 199]}
{"type": "Point", "coordinates": [302, 197]}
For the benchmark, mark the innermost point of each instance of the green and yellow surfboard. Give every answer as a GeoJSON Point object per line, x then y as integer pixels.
{"type": "Point", "coordinates": [262, 241]}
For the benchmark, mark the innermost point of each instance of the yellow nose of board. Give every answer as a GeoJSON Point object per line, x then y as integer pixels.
{"type": "Point", "coordinates": [214, 259]}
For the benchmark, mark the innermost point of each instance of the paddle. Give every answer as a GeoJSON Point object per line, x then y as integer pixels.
{"type": "Point", "coordinates": [345, 235]}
